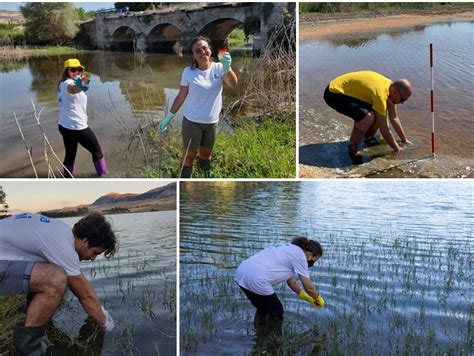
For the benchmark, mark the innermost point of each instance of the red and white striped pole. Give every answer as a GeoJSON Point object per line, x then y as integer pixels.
{"type": "Point", "coordinates": [432, 103]}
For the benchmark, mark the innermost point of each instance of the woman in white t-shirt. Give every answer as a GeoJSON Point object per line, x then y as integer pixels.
{"type": "Point", "coordinates": [72, 123]}
{"type": "Point", "coordinates": [201, 86]}
{"type": "Point", "coordinates": [257, 275]}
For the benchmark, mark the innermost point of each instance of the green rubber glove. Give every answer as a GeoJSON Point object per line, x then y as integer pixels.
{"type": "Point", "coordinates": [226, 62]}
{"type": "Point", "coordinates": [305, 296]}
{"type": "Point", "coordinates": [165, 122]}
{"type": "Point", "coordinates": [320, 301]}
{"type": "Point", "coordinates": [80, 83]}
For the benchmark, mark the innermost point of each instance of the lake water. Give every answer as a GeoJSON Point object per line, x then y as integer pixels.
{"type": "Point", "coordinates": [127, 92]}
{"type": "Point", "coordinates": [396, 53]}
{"type": "Point", "coordinates": [395, 272]}
{"type": "Point", "coordinates": [137, 286]}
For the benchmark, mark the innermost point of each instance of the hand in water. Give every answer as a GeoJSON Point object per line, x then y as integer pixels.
{"type": "Point", "coordinates": [320, 301]}
{"type": "Point", "coordinates": [109, 322]}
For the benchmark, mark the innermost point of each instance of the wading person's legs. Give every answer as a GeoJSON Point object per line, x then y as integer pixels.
{"type": "Point", "coordinates": [70, 146]}
{"type": "Point", "coordinates": [358, 132]}
{"type": "Point", "coordinates": [88, 140]}
{"type": "Point", "coordinates": [269, 309]}
{"type": "Point", "coordinates": [359, 111]}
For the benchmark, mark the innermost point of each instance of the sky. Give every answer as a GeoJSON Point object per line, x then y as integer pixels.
{"type": "Point", "coordinates": [15, 6]}
{"type": "Point", "coordinates": [33, 195]}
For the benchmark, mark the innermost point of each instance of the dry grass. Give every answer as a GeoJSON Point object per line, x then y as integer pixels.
{"type": "Point", "coordinates": [270, 89]}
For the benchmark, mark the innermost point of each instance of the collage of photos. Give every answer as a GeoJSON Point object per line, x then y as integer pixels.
{"type": "Point", "coordinates": [189, 178]}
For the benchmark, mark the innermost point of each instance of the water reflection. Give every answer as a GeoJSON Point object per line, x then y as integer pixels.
{"type": "Point", "coordinates": [89, 341]}
{"type": "Point", "coordinates": [393, 274]}
{"type": "Point", "coordinates": [396, 53]}
{"type": "Point", "coordinates": [127, 91]}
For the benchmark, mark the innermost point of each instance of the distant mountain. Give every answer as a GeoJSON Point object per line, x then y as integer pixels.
{"type": "Point", "coordinates": [7, 16]}
{"type": "Point", "coordinates": [116, 198]}
{"type": "Point", "coordinates": [158, 199]}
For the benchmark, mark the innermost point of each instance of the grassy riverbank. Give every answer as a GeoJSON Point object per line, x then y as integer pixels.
{"type": "Point", "coordinates": [253, 150]}
{"type": "Point", "coordinates": [20, 52]}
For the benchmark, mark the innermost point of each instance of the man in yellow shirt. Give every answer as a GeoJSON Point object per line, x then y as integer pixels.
{"type": "Point", "coordinates": [366, 97]}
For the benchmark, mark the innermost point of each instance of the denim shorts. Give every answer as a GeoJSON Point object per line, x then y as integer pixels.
{"type": "Point", "coordinates": [15, 277]}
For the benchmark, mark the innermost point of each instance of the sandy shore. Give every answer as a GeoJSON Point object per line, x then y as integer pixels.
{"type": "Point", "coordinates": [317, 25]}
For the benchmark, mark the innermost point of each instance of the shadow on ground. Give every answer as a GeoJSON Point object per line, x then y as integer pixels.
{"type": "Point", "coordinates": [328, 155]}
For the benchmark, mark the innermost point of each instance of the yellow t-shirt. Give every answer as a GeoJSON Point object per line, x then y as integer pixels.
{"type": "Point", "coordinates": [370, 87]}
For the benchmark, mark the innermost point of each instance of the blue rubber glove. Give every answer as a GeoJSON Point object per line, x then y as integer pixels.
{"type": "Point", "coordinates": [79, 84]}
{"type": "Point", "coordinates": [226, 62]}
{"type": "Point", "coordinates": [165, 122]}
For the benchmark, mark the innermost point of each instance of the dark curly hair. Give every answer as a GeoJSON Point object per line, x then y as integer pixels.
{"type": "Point", "coordinates": [98, 231]}
{"type": "Point", "coordinates": [306, 244]}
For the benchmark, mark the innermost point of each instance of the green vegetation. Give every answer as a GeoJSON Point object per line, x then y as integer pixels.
{"type": "Point", "coordinates": [65, 214]}
{"type": "Point", "coordinates": [83, 14]}
{"type": "Point", "coordinates": [414, 302]}
{"type": "Point", "coordinates": [237, 38]}
{"type": "Point", "coordinates": [139, 6]}
{"type": "Point", "coordinates": [11, 34]}
{"type": "Point", "coordinates": [117, 210]}
{"type": "Point", "coordinates": [50, 23]}
{"type": "Point", "coordinates": [253, 150]}
{"type": "Point", "coordinates": [18, 52]}
{"type": "Point", "coordinates": [256, 151]}
{"type": "Point", "coordinates": [332, 7]}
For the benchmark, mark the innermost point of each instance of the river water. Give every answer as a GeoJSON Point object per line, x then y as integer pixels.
{"type": "Point", "coordinates": [396, 53]}
{"type": "Point", "coordinates": [127, 91]}
{"type": "Point", "coordinates": [394, 274]}
{"type": "Point", "coordinates": [137, 286]}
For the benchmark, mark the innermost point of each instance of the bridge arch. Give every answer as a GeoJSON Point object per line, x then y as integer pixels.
{"type": "Point", "coordinates": [218, 30]}
{"type": "Point", "coordinates": [163, 38]}
{"type": "Point", "coordinates": [123, 39]}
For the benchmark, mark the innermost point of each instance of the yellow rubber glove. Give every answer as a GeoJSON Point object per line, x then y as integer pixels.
{"type": "Point", "coordinates": [320, 301]}
{"type": "Point", "coordinates": [305, 296]}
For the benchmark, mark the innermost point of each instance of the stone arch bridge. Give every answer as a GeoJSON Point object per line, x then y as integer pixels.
{"type": "Point", "coordinates": [168, 31]}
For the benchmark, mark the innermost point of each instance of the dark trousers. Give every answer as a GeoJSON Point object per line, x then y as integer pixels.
{"type": "Point", "coordinates": [85, 138]}
{"type": "Point", "coordinates": [266, 304]}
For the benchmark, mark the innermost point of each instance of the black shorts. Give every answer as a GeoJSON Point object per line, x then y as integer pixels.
{"type": "Point", "coordinates": [354, 108]}
{"type": "Point", "coordinates": [265, 304]}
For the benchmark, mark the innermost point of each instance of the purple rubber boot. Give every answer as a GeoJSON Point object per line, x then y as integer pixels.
{"type": "Point", "coordinates": [70, 168]}
{"type": "Point", "coordinates": [100, 167]}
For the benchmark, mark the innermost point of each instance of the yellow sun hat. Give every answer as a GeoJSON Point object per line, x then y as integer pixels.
{"type": "Point", "coordinates": [73, 63]}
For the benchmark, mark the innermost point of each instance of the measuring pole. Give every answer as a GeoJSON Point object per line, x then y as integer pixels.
{"type": "Point", "coordinates": [432, 103]}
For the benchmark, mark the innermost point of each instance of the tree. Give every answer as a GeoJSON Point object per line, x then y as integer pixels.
{"type": "Point", "coordinates": [138, 6]}
{"type": "Point", "coordinates": [83, 14]}
{"type": "Point", "coordinates": [3, 201]}
{"type": "Point", "coordinates": [53, 23]}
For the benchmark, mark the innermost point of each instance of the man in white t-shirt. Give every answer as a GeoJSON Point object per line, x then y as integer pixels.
{"type": "Point", "coordinates": [40, 257]}
{"type": "Point", "coordinates": [257, 276]}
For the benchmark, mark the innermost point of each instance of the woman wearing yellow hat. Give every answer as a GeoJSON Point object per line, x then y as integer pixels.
{"type": "Point", "coordinates": [73, 118]}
